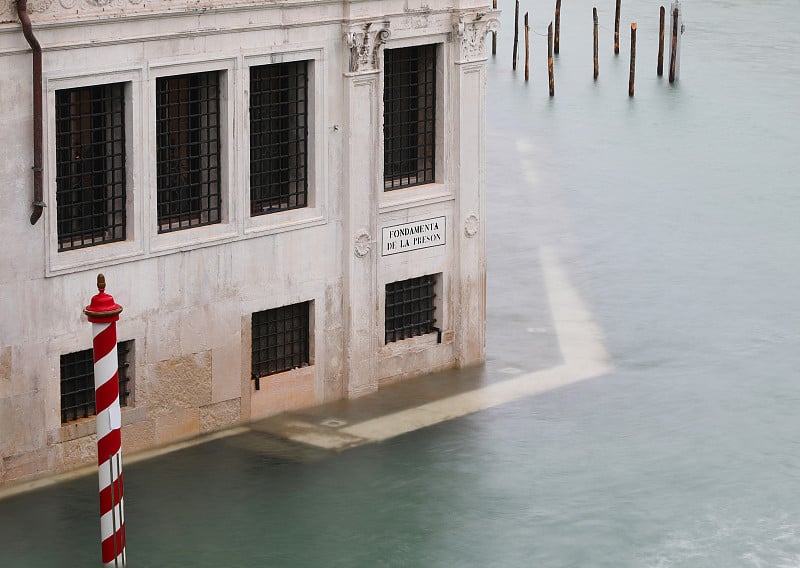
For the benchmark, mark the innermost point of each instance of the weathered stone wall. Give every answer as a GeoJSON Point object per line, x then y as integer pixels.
{"type": "Point", "coordinates": [188, 296]}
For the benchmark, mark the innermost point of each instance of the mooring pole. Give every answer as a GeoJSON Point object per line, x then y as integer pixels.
{"type": "Point", "coordinates": [527, 48]}
{"type": "Point", "coordinates": [616, 28]}
{"type": "Point", "coordinates": [516, 35]}
{"type": "Point", "coordinates": [558, 27]}
{"type": "Point", "coordinates": [103, 313]}
{"type": "Point", "coordinates": [596, 44]}
{"type": "Point", "coordinates": [494, 34]}
{"type": "Point", "coordinates": [674, 49]}
{"type": "Point", "coordinates": [661, 42]}
{"type": "Point", "coordinates": [633, 60]}
{"type": "Point", "coordinates": [551, 79]}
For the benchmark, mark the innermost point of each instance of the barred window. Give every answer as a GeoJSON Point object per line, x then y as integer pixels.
{"type": "Point", "coordinates": [188, 154]}
{"type": "Point", "coordinates": [77, 381]}
{"type": "Point", "coordinates": [90, 165]}
{"type": "Point", "coordinates": [410, 308]}
{"type": "Point", "coordinates": [280, 339]}
{"type": "Point", "coordinates": [409, 116]}
{"type": "Point", "coordinates": [278, 137]}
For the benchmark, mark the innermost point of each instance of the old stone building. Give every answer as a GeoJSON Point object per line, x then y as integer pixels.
{"type": "Point", "coordinates": [286, 196]}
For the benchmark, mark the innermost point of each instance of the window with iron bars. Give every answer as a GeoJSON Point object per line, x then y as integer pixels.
{"type": "Point", "coordinates": [410, 308]}
{"type": "Point", "coordinates": [188, 151]}
{"type": "Point", "coordinates": [409, 116]}
{"type": "Point", "coordinates": [280, 339]}
{"type": "Point", "coordinates": [90, 165]}
{"type": "Point", "coordinates": [77, 381]}
{"type": "Point", "coordinates": [278, 137]}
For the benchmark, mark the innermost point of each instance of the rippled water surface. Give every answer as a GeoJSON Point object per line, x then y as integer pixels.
{"type": "Point", "coordinates": [677, 215]}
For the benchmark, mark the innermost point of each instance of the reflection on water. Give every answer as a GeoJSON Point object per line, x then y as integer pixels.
{"type": "Point", "coordinates": [676, 215]}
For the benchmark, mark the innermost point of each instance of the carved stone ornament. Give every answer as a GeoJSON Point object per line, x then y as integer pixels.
{"type": "Point", "coordinates": [365, 42]}
{"type": "Point", "coordinates": [69, 8]}
{"type": "Point", "coordinates": [362, 244]}
{"type": "Point", "coordinates": [471, 29]}
{"type": "Point", "coordinates": [471, 225]}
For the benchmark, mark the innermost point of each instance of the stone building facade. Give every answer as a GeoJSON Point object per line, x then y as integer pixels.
{"type": "Point", "coordinates": [286, 197]}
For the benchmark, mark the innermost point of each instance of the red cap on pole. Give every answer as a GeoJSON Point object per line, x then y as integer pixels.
{"type": "Point", "coordinates": [102, 309]}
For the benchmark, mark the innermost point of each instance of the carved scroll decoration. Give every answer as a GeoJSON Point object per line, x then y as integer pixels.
{"type": "Point", "coordinates": [471, 30]}
{"type": "Point", "coordinates": [365, 42]}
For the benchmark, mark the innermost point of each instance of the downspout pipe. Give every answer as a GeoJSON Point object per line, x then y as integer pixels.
{"type": "Point", "coordinates": [38, 188]}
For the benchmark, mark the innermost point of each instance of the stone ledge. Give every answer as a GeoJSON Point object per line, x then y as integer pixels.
{"type": "Point", "coordinates": [88, 426]}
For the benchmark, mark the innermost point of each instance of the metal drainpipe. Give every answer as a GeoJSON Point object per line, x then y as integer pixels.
{"type": "Point", "coordinates": [38, 194]}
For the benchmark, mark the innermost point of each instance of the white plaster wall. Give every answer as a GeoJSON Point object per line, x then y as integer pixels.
{"type": "Point", "coordinates": [187, 296]}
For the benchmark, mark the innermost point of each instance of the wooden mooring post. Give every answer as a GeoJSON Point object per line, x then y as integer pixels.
{"type": "Point", "coordinates": [551, 79]}
{"type": "Point", "coordinates": [616, 28]}
{"type": "Point", "coordinates": [527, 49]}
{"type": "Point", "coordinates": [494, 34]}
{"type": "Point", "coordinates": [674, 49]}
{"type": "Point", "coordinates": [516, 35]}
{"type": "Point", "coordinates": [633, 60]}
{"type": "Point", "coordinates": [558, 27]}
{"type": "Point", "coordinates": [596, 44]}
{"type": "Point", "coordinates": [661, 42]}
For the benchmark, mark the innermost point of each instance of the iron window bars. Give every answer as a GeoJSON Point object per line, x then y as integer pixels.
{"type": "Point", "coordinates": [90, 165]}
{"type": "Point", "coordinates": [77, 382]}
{"type": "Point", "coordinates": [410, 308]}
{"type": "Point", "coordinates": [188, 155]}
{"type": "Point", "coordinates": [280, 340]}
{"type": "Point", "coordinates": [278, 137]}
{"type": "Point", "coordinates": [409, 116]}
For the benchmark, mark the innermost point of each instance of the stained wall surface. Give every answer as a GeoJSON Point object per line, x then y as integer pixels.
{"type": "Point", "coordinates": [189, 295]}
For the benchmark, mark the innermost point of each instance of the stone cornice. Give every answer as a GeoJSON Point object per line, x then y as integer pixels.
{"type": "Point", "coordinates": [52, 11]}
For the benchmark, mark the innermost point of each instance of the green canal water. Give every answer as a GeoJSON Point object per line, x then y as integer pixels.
{"type": "Point", "coordinates": [677, 215]}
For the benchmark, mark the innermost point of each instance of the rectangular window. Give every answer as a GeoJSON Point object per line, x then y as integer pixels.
{"type": "Point", "coordinates": [77, 381]}
{"type": "Point", "coordinates": [90, 165]}
{"type": "Point", "coordinates": [409, 116]}
{"type": "Point", "coordinates": [188, 153]}
{"type": "Point", "coordinates": [278, 137]}
{"type": "Point", "coordinates": [280, 339]}
{"type": "Point", "coordinates": [410, 308]}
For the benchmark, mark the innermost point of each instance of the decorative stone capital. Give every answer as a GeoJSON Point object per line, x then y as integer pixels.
{"type": "Point", "coordinates": [471, 29]}
{"type": "Point", "coordinates": [365, 41]}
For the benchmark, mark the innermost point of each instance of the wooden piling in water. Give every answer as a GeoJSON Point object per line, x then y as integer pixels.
{"type": "Point", "coordinates": [661, 42]}
{"type": "Point", "coordinates": [516, 35]}
{"type": "Point", "coordinates": [596, 44]}
{"type": "Point", "coordinates": [558, 27]}
{"type": "Point", "coordinates": [633, 59]}
{"type": "Point", "coordinates": [527, 48]}
{"type": "Point", "coordinates": [674, 50]}
{"type": "Point", "coordinates": [494, 34]}
{"type": "Point", "coordinates": [616, 28]}
{"type": "Point", "coordinates": [551, 79]}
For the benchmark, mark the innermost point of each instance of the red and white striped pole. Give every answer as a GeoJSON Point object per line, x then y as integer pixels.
{"type": "Point", "coordinates": [103, 312]}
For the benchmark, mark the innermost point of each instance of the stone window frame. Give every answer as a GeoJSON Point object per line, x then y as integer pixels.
{"type": "Point", "coordinates": [422, 141]}
{"type": "Point", "coordinates": [309, 340]}
{"type": "Point", "coordinates": [227, 226]}
{"type": "Point", "coordinates": [108, 252]}
{"type": "Point", "coordinates": [188, 151]}
{"type": "Point", "coordinates": [416, 283]}
{"type": "Point", "coordinates": [282, 171]}
{"type": "Point", "coordinates": [314, 213]}
{"type": "Point", "coordinates": [441, 188]}
{"type": "Point", "coordinates": [91, 169]}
